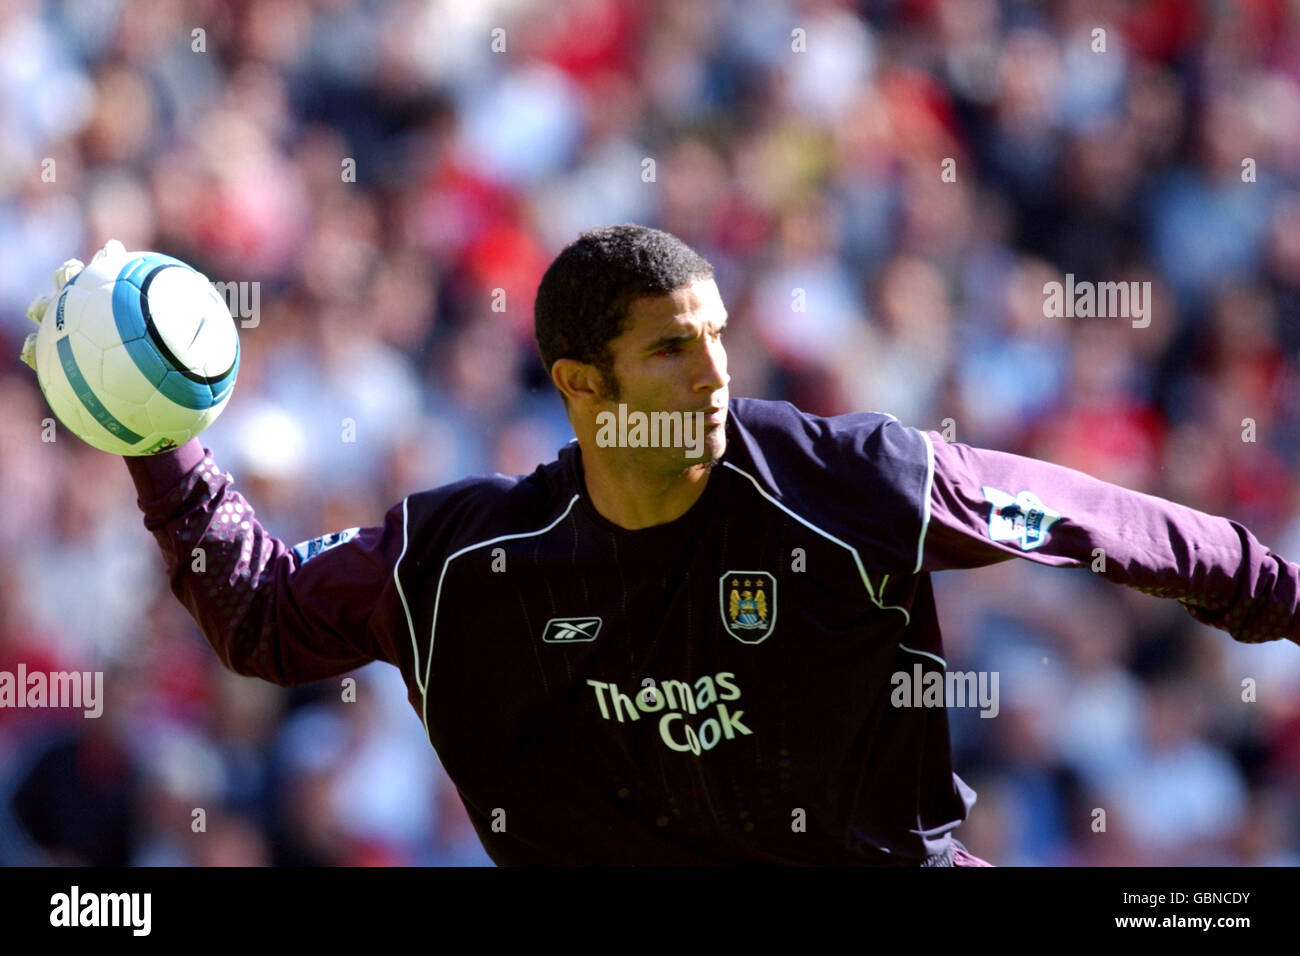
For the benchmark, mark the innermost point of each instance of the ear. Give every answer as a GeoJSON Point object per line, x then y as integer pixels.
{"type": "Point", "coordinates": [577, 381]}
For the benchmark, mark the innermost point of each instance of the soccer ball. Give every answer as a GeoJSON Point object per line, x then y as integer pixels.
{"type": "Point", "coordinates": [138, 352]}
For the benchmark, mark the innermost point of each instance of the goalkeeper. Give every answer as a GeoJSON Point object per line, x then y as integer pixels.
{"type": "Point", "coordinates": [683, 654]}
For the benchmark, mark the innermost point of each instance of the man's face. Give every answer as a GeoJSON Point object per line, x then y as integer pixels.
{"type": "Point", "coordinates": [670, 358]}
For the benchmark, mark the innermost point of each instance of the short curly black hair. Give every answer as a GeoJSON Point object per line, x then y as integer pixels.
{"type": "Point", "coordinates": [583, 299]}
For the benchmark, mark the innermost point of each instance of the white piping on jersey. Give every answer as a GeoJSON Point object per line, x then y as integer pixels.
{"type": "Point", "coordinates": [415, 651]}
{"type": "Point", "coordinates": [428, 665]}
{"type": "Point", "coordinates": [857, 559]}
{"type": "Point", "coordinates": [929, 486]}
{"type": "Point", "coordinates": [933, 657]}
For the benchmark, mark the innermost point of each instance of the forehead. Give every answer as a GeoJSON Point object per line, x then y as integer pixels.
{"type": "Point", "coordinates": [689, 306]}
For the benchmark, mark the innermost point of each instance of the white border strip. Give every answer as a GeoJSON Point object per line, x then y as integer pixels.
{"type": "Point", "coordinates": [415, 651]}
{"type": "Point", "coordinates": [929, 487]}
{"type": "Point", "coordinates": [933, 657]}
{"type": "Point", "coordinates": [428, 665]}
{"type": "Point", "coordinates": [857, 559]}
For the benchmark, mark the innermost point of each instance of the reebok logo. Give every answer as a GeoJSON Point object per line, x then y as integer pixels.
{"type": "Point", "coordinates": [571, 630]}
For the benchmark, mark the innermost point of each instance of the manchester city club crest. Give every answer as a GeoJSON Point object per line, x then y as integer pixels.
{"type": "Point", "coordinates": [748, 603]}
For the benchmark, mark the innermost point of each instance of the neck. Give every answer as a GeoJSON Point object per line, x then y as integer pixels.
{"type": "Point", "coordinates": [631, 496]}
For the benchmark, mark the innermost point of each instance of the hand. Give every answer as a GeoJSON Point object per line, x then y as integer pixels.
{"type": "Point", "coordinates": [62, 276]}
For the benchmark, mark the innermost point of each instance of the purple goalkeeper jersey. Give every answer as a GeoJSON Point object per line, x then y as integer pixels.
{"type": "Point", "coordinates": [717, 689]}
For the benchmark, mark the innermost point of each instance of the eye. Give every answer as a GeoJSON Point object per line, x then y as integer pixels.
{"type": "Point", "coordinates": [667, 350]}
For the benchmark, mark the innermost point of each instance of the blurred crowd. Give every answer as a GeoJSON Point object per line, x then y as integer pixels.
{"type": "Point", "coordinates": [396, 176]}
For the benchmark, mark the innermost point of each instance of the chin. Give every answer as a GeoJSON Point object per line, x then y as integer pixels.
{"type": "Point", "coordinates": [714, 446]}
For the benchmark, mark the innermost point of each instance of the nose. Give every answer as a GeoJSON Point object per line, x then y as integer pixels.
{"type": "Point", "coordinates": [713, 374]}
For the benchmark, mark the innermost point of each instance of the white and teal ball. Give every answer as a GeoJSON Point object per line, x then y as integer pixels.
{"type": "Point", "coordinates": [137, 354]}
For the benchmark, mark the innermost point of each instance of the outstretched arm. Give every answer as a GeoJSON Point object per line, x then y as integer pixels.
{"type": "Point", "coordinates": [987, 506]}
{"type": "Point", "coordinates": [289, 616]}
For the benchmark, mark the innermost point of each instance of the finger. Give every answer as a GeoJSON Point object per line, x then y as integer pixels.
{"type": "Point", "coordinates": [28, 354]}
{"type": "Point", "coordinates": [36, 311]}
{"type": "Point", "coordinates": [66, 271]}
{"type": "Point", "coordinates": [111, 248]}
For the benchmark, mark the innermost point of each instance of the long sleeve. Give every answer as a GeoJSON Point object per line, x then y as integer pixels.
{"type": "Point", "coordinates": [987, 506]}
{"type": "Point", "coordinates": [287, 615]}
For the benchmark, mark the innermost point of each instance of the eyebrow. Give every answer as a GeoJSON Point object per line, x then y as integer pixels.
{"type": "Point", "coordinates": [678, 339]}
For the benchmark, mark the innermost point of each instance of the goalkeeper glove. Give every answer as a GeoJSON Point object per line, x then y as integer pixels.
{"type": "Point", "coordinates": [62, 276]}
